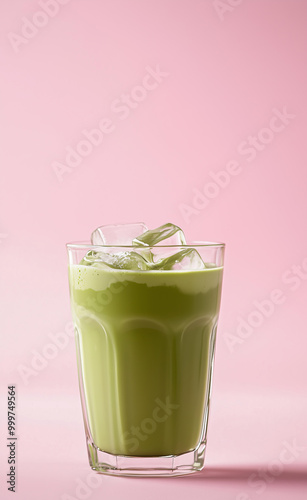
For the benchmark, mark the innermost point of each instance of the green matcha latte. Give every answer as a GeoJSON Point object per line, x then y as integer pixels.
{"type": "Point", "coordinates": [145, 320]}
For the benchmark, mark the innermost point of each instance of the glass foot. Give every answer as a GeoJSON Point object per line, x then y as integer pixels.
{"type": "Point", "coordinates": [121, 465]}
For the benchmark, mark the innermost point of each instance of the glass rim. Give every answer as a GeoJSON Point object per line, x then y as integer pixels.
{"type": "Point", "coordinates": [193, 244]}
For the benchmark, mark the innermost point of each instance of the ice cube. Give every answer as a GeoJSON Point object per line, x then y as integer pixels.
{"type": "Point", "coordinates": [129, 260]}
{"type": "Point", "coordinates": [185, 260]}
{"type": "Point", "coordinates": [91, 258]}
{"type": "Point", "coordinates": [117, 234]}
{"type": "Point", "coordinates": [120, 260]}
{"type": "Point", "coordinates": [169, 234]}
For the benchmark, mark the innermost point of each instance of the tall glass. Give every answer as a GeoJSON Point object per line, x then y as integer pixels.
{"type": "Point", "coordinates": [145, 348]}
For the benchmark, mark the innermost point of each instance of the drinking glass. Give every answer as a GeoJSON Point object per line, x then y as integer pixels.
{"type": "Point", "coordinates": [145, 344]}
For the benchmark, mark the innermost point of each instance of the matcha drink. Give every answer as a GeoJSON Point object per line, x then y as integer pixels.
{"type": "Point", "coordinates": [145, 332]}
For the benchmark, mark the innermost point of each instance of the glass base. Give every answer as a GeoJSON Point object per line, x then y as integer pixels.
{"type": "Point", "coordinates": [121, 465]}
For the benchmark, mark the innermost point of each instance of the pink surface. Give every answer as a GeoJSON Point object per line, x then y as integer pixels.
{"type": "Point", "coordinates": [201, 109]}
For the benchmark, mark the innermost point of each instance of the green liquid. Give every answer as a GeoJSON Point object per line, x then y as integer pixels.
{"type": "Point", "coordinates": [145, 342]}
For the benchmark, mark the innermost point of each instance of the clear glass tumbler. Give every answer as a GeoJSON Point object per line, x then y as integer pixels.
{"type": "Point", "coordinates": [145, 348]}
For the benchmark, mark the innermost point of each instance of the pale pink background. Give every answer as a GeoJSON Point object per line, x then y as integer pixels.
{"type": "Point", "coordinates": [225, 76]}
